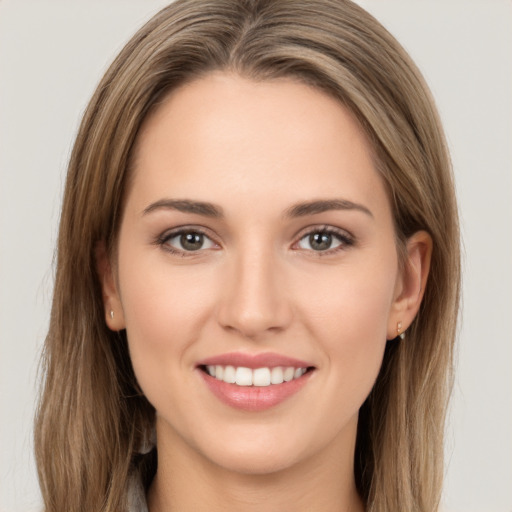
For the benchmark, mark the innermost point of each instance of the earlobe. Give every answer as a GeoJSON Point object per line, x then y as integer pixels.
{"type": "Point", "coordinates": [413, 280]}
{"type": "Point", "coordinates": [114, 317]}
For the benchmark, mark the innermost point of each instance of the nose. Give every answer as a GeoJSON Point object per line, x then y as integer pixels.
{"type": "Point", "coordinates": [254, 299]}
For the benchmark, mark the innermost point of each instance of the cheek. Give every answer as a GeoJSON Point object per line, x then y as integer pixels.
{"type": "Point", "coordinates": [164, 308]}
{"type": "Point", "coordinates": [352, 302]}
{"type": "Point", "coordinates": [350, 322]}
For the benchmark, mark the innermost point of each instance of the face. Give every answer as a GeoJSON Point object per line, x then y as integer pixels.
{"type": "Point", "coordinates": [257, 274]}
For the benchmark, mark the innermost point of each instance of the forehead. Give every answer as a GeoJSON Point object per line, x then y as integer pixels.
{"type": "Point", "coordinates": [228, 136]}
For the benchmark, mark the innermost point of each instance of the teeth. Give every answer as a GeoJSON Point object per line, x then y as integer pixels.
{"type": "Point", "coordinates": [229, 375]}
{"type": "Point", "coordinates": [259, 377]}
{"type": "Point", "coordinates": [288, 374]}
{"type": "Point", "coordinates": [276, 375]}
{"type": "Point", "coordinates": [243, 376]}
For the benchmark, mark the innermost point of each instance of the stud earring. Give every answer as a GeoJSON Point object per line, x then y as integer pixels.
{"type": "Point", "coordinates": [399, 332]}
{"type": "Point", "coordinates": [112, 314]}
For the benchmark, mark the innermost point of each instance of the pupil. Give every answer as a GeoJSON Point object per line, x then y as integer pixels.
{"type": "Point", "coordinates": [191, 241]}
{"type": "Point", "coordinates": [320, 241]}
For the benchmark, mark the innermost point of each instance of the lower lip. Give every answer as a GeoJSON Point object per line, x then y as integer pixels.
{"type": "Point", "coordinates": [254, 398]}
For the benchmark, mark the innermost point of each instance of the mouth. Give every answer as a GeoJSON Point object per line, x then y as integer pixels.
{"type": "Point", "coordinates": [258, 377]}
{"type": "Point", "coordinates": [254, 382]}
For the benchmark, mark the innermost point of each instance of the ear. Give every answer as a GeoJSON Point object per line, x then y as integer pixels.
{"type": "Point", "coordinates": [411, 283]}
{"type": "Point", "coordinates": [114, 316]}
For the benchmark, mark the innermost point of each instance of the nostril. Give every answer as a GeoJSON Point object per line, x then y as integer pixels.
{"type": "Point", "coordinates": [252, 322]}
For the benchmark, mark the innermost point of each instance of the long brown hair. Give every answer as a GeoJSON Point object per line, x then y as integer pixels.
{"type": "Point", "coordinates": [92, 417]}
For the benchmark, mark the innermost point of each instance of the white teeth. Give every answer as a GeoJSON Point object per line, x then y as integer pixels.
{"type": "Point", "coordinates": [288, 374]}
{"type": "Point", "coordinates": [229, 375]}
{"type": "Point", "coordinates": [276, 375]}
{"type": "Point", "coordinates": [298, 373]}
{"type": "Point", "coordinates": [243, 376]}
{"type": "Point", "coordinates": [259, 377]}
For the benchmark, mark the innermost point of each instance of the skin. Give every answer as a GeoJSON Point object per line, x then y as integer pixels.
{"type": "Point", "coordinates": [257, 284]}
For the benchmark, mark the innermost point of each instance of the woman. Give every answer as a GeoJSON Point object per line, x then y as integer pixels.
{"type": "Point", "coordinates": [258, 272]}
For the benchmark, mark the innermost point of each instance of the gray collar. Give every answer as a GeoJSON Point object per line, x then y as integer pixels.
{"type": "Point", "coordinates": [136, 494]}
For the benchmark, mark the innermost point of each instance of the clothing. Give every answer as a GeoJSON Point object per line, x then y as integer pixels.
{"type": "Point", "coordinates": [136, 494]}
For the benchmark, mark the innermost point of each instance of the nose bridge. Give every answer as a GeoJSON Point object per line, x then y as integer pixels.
{"type": "Point", "coordinates": [254, 301]}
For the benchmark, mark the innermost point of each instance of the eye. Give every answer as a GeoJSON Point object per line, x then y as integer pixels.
{"type": "Point", "coordinates": [324, 240]}
{"type": "Point", "coordinates": [187, 241]}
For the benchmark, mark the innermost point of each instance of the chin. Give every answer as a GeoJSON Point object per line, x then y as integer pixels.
{"type": "Point", "coordinates": [251, 462]}
{"type": "Point", "coordinates": [260, 449]}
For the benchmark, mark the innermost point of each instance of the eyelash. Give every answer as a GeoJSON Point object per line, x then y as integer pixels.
{"type": "Point", "coordinates": [346, 240]}
{"type": "Point", "coordinates": [164, 238]}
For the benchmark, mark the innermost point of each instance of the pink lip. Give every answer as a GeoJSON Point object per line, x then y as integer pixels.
{"type": "Point", "coordinates": [254, 398]}
{"type": "Point", "coordinates": [253, 361]}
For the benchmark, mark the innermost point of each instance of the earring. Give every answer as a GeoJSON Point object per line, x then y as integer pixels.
{"type": "Point", "coordinates": [112, 314]}
{"type": "Point", "coordinates": [399, 332]}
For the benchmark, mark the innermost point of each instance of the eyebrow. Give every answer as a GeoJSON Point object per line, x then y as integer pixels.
{"type": "Point", "coordinates": [297, 210]}
{"type": "Point", "coordinates": [185, 206]}
{"type": "Point", "coordinates": [324, 205]}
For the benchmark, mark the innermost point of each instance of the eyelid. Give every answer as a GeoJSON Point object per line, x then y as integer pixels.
{"type": "Point", "coordinates": [346, 238]}
{"type": "Point", "coordinates": [169, 234]}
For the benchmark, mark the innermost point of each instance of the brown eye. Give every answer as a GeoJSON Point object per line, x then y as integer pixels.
{"type": "Point", "coordinates": [320, 241]}
{"type": "Point", "coordinates": [189, 241]}
{"type": "Point", "coordinates": [192, 241]}
{"type": "Point", "coordinates": [324, 240]}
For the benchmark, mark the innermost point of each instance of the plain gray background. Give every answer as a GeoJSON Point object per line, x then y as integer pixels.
{"type": "Point", "coordinates": [52, 54]}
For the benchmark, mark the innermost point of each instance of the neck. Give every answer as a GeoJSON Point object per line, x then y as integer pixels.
{"type": "Point", "coordinates": [186, 481]}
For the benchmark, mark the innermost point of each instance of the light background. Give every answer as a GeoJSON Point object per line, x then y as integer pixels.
{"type": "Point", "coordinates": [52, 54]}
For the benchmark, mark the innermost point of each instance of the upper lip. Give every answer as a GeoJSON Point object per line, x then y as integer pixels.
{"type": "Point", "coordinates": [253, 361]}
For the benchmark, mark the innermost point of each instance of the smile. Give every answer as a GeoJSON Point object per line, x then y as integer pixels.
{"type": "Point", "coordinates": [259, 377]}
{"type": "Point", "coordinates": [254, 382]}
